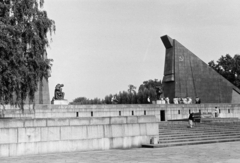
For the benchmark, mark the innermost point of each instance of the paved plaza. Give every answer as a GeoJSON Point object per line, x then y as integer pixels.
{"type": "Point", "coordinates": [205, 153]}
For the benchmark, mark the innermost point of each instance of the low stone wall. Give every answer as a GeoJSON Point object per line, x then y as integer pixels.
{"type": "Point", "coordinates": [226, 110]}
{"type": "Point", "coordinates": [38, 136]}
{"type": "Point", "coordinates": [161, 111]}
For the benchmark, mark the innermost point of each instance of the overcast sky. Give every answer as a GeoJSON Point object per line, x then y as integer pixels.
{"type": "Point", "coordinates": [102, 46]}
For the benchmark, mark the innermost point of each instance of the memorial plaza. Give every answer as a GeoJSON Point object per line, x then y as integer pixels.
{"type": "Point", "coordinates": [61, 133]}
{"type": "Point", "coordinates": [191, 115]}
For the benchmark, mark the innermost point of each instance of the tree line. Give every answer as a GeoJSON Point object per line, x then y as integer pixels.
{"type": "Point", "coordinates": [147, 92]}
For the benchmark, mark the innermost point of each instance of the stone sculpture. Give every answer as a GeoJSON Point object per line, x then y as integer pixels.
{"type": "Point", "coordinates": [158, 92]}
{"type": "Point", "coordinates": [58, 93]}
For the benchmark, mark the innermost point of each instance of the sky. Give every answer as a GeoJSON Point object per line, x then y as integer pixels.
{"type": "Point", "coordinates": [102, 46]}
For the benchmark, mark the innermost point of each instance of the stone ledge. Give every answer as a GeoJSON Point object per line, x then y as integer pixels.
{"type": "Point", "coordinates": [60, 102]}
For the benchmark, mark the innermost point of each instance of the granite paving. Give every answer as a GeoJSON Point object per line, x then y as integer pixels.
{"type": "Point", "coordinates": [205, 153]}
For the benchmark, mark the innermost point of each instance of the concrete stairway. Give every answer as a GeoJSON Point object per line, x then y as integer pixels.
{"type": "Point", "coordinates": [179, 134]}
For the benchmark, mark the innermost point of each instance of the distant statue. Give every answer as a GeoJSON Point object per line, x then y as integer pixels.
{"type": "Point", "coordinates": [167, 100]}
{"type": "Point", "coordinates": [159, 92]}
{"type": "Point", "coordinates": [58, 93]}
{"type": "Point", "coordinates": [175, 100]}
{"type": "Point", "coordinates": [114, 100]}
{"type": "Point", "coordinates": [198, 100]}
{"type": "Point", "coordinates": [189, 100]}
{"type": "Point", "coordinates": [162, 101]}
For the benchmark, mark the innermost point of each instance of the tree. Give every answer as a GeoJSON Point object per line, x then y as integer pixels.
{"type": "Point", "coordinates": [108, 99]}
{"type": "Point", "coordinates": [131, 88]}
{"type": "Point", "coordinates": [133, 98]}
{"type": "Point", "coordinates": [80, 100]}
{"type": "Point", "coordinates": [23, 42]}
{"type": "Point", "coordinates": [228, 67]}
{"type": "Point", "coordinates": [132, 95]}
{"type": "Point", "coordinates": [152, 86]}
{"type": "Point", "coordinates": [140, 97]}
{"type": "Point", "coordinates": [152, 94]}
{"type": "Point", "coordinates": [124, 98]}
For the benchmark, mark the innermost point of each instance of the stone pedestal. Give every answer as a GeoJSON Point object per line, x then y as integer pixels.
{"type": "Point", "coordinates": [159, 102]}
{"type": "Point", "coordinates": [60, 102]}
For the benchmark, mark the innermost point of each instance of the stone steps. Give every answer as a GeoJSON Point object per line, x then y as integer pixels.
{"type": "Point", "coordinates": [180, 134]}
{"type": "Point", "coordinates": [199, 125]}
{"type": "Point", "coordinates": [189, 143]}
{"type": "Point", "coordinates": [198, 139]}
{"type": "Point", "coordinates": [197, 129]}
{"type": "Point", "coordinates": [198, 132]}
{"type": "Point", "coordinates": [194, 136]}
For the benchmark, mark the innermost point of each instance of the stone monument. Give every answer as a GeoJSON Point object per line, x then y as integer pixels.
{"type": "Point", "coordinates": [186, 75]}
{"type": "Point", "coordinates": [42, 95]}
{"type": "Point", "coordinates": [59, 96]}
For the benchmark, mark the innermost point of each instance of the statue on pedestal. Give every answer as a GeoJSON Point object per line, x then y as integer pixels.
{"type": "Point", "coordinates": [58, 93]}
{"type": "Point", "coordinates": [159, 92]}
{"type": "Point", "coordinates": [58, 98]}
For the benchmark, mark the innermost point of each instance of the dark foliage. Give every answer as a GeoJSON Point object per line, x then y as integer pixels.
{"type": "Point", "coordinates": [23, 42]}
{"type": "Point", "coordinates": [228, 67]}
{"type": "Point", "coordinates": [84, 101]}
{"type": "Point", "coordinates": [147, 89]}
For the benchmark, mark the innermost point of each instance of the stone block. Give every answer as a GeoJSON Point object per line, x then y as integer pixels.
{"type": "Point", "coordinates": [78, 132]}
{"type": "Point", "coordinates": [84, 114]}
{"type": "Point", "coordinates": [105, 143]}
{"type": "Point", "coordinates": [132, 119]}
{"type": "Point", "coordinates": [95, 131]}
{"type": "Point", "coordinates": [44, 115]}
{"type": "Point", "coordinates": [58, 122]}
{"type": "Point", "coordinates": [137, 141]}
{"type": "Point", "coordinates": [13, 149]}
{"type": "Point", "coordinates": [29, 135]}
{"type": "Point", "coordinates": [10, 123]}
{"type": "Point", "coordinates": [152, 128]}
{"type": "Point", "coordinates": [118, 120]}
{"type": "Point", "coordinates": [29, 148]}
{"type": "Point", "coordinates": [129, 129]}
{"type": "Point", "coordinates": [79, 121]}
{"type": "Point", "coordinates": [127, 142]}
{"type": "Point", "coordinates": [143, 129]}
{"type": "Point", "coordinates": [60, 102]}
{"type": "Point", "coordinates": [107, 131]}
{"type": "Point", "coordinates": [8, 135]}
{"type": "Point", "coordinates": [50, 133]}
{"type": "Point", "coordinates": [135, 129]}
{"type": "Point", "coordinates": [117, 130]}
{"type": "Point", "coordinates": [117, 142]}
{"type": "Point", "coordinates": [94, 144]}
{"type": "Point", "coordinates": [50, 147]}
{"type": "Point", "coordinates": [159, 102]}
{"type": "Point", "coordinates": [145, 119]}
{"type": "Point", "coordinates": [4, 150]}
{"type": "Point", "coordinates": [35, 123]}
{"type": "Point", "coordinates": [100, 120]}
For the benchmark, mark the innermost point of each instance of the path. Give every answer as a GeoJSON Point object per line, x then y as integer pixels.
{"type": "Point", "coordinates": [205, 153]}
